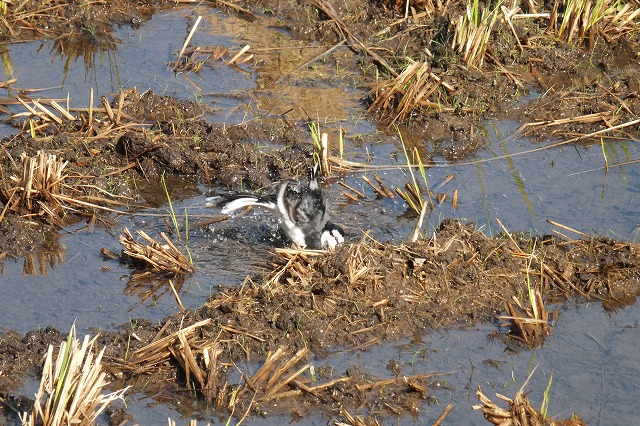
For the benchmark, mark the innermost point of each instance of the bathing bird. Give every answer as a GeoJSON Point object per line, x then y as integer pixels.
{"type": "Point", "coordinates": [301, 210]}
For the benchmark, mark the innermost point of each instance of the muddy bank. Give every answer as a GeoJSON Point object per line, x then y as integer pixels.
{"type": "Point", "coordinates": [147, 136]}
{"type": "Point", "coordinates": [429, 65]}
{"type": "Point", "coordinates": [350, 300]}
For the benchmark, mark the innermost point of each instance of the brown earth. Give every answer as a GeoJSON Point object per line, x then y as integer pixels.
{"type": "Point", "coordinates": [363, 293]}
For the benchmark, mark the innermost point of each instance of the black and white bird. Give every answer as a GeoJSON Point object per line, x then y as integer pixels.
{"type": "Point", "coordinates": [301, 211]}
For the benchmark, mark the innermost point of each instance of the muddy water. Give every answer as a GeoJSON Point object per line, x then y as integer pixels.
{"type": "Point", "coordinates": [69, 280]}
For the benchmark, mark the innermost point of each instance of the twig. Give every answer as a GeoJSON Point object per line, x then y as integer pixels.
{"type": "Point", "coordinates": [444, 414]}
{"type": "Point", "coordinates": [416, 232]}
{"type": "Point", "coordinates": [186, 42]}
{"type": "Point", "coordinates": [175, 294]}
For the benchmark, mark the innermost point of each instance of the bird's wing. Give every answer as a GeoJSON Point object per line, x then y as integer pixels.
{"type": "Point", "coordinates": [286, 207]}
{"type": "Point", "coordinates": [242, 201]}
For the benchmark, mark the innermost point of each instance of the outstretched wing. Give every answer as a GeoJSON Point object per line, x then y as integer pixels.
{"type": "Point", "coordinates": [238, 202]}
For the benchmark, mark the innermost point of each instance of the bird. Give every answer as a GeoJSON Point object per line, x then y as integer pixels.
{"type": "Point", "coordinates": [301, 211]}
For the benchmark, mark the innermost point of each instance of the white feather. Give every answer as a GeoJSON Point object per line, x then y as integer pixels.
{"type": "Point", "coordinates": [296, 235]}
{"type": "Point", "coordinates": [240, 203]}
{"type": "Point", "coordinates": [283, 212]}
{"type": "Point", "coordinates": [331, 238]}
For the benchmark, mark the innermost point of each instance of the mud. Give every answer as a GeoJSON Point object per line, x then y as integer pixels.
{"type": "Point", "coordinates": [365, 292]}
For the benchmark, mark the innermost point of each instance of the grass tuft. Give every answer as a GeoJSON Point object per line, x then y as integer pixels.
{"type": "Point", "coordinates": [520, 410]}
{"type": "Point", "coordinates": [71, 387]}
{"type": "Point", "coordinates": [416, 88]}
{"type": "Point", "coordinates": [472, 32]}
{"type": "Point", "coordinates": [592, 19]}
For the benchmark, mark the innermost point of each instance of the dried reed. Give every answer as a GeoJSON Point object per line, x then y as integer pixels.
{"type": "Point", "coordinates": [530, 325]}
{"type": "Point", "coordinates": [414, 89]}
{"type": "Point", "coordinates": [36, 190]}
{"type": "Point", "coordinates": [159, 352]}
{"type": "Point", "coordinates": [272, 380]}
{"type": "Point", "coordinates": [472, 32]}
{"type": "Point", "coordinates": [520, 411]}
{"type": "Point", "coordinates": [71, 387]}
{"type": "Point", "coordinates": [351, 420]}
{"type": "Point", "coordinates": [197, 378]}
{"type": "Point", "coordinates": [599, 18]}
{"type": "Point", "coordinates": [41, 178]}
{"type": "Point", "coordinates": [166, 259]}
{"type": "Point", "coordinates": [191, 422]}
{"type": "Point", "coordinates": [40, 118]}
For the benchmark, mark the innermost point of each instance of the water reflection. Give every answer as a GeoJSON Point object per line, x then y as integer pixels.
{"type": "Point", "coordinates": [89, 45]}
{"type": "Point", "coordinates": [47, 256]}
{"type": "Point", "coordinates": [148, 287]}
{"type": "Point", "coordinates": [7, 63]}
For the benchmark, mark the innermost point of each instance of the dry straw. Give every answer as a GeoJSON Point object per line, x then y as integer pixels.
{"type": "Point", "coordinates": [163, 258]}
{"type": "Point", "coordinates": [472, 32]}
{"type": "Point", "coordinates": [520, 410]}
{"type": "Point", "coordinates": [70, 391]}
{"type": "Point", "coordinates": [40, 181]}
{"type": "Point", "coordinates": [587, 18]}
{"type": "Point", "coordinates": [529, 324]}
{"type": "Point", "coordinates": [417, 87]}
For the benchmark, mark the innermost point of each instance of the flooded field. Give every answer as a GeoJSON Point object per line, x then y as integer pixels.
{"type": "Point", "coordinates": [61, 277]}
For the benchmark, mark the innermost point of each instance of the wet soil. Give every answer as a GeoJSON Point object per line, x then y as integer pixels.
{"type": "Point", "coordinates": [365, 292]}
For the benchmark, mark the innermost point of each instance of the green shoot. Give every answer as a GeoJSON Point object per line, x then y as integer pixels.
{"type": "Point", "coordinates": [544, 408]}
{"type": "Point", "coordinates": [606, 18]}
{"type": "Point", "coordinates": [472, 32]}
{"type": "Point", "coordinates": [186, 235]}
{"type": "Point", "coordinates": [70, 391]}
{"type": "Point", "coordinates": [423, 172]}
{"type": "Point", "coordinates": [312, 370]}
{"type": "Point", "coordinates": [413, 176]}
{"type": "Point", "coordinates": [172, 213]}
{"type": "Point", "coordinates": [317, 142]}
{"type": "Point", "coordinates": [61, 379]}
{"type": "Point", "coordinates": [186, 225]}
{"type": "Point", "coordinates": [174, 219]}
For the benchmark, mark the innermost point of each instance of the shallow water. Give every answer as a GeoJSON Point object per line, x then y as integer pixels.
{"type": "Point", "coordinates": [594, 372]}
{"type": "Point", "coordinates": [593, 356]}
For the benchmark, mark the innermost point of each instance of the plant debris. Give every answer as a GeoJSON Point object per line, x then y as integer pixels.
{"type": "Point", "coordinates": [531, 325]}
{"type": "Point", "coordinates": [520, 412]}
{"type": "Point", "coordinates": [37, 188]}
{"type": "Point", "coordinates": [71, 387]}
{"type": "Point", "coordinates": [162, 258]}
{"type": "Point", "coordinates": [353, 299]}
